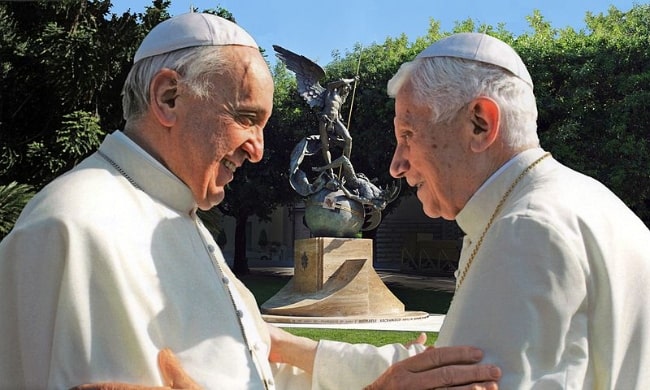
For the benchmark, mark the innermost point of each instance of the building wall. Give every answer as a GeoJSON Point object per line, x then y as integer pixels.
{"type": "Point", "coordinates": [405, 232]}
{"type": "Point", "coordinates": [278, 234]}
{"type": "Point", "coordinates": [409, 240]}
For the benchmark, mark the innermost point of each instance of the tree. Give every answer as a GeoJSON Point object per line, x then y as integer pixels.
{"type": "Point", "coordinates": [62, 66]}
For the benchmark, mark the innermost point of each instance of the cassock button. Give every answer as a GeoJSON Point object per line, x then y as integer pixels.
{"type": "Point", "coordinates": [211, 248]}
{"type": "Point", "coordinates": [225, 280]}
{"type": "Point", "coordinates": [270, 382]}
{"type": "Point", "coordinates": [240, 313]}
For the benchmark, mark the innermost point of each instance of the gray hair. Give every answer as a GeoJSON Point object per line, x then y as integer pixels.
{"type": "Point", "coordinates": [193, 64]}
{"type": "Point", "coordinates": [448, 84]}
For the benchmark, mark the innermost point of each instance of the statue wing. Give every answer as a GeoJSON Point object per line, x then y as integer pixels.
{"type": "Point", "coordinates": [298, 179]}
{"type": "Point", "coordinates": [308, 74]}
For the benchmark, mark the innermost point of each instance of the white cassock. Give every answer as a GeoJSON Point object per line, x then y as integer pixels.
{"type": "Point", "coordinates": [558, 294]}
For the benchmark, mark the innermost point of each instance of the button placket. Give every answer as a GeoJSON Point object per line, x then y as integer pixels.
{"type": "Point", "coordinates": [265, 373]}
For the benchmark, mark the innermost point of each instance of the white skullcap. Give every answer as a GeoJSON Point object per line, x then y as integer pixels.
{"type": "Point", "coordinates": [189, 30]}
{"type": "Point", "coordinates": [482, 48]}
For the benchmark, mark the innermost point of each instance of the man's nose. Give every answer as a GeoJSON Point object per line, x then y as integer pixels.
{"type": "Point", "coordinates": [254, 146]}
{"type": "Point", "coordinates": [399, 165]}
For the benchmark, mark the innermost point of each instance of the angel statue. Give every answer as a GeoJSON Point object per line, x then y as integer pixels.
{"type": "Point", "coordinates": [328, 99]}
{"type": "Point", "coordinates": [336, 206]}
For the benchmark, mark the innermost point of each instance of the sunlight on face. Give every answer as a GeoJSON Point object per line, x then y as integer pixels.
{"type": "Point", "coordinates": [426, 155]}
{"type": "Point", "coordinates": [220, 133]}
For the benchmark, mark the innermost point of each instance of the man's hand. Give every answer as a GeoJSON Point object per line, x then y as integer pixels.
{"type": "Point", "coordinates": [421, 339]}
{"type": "Point", "coordinates": [171, 372]}
{"type": "Point", "coordinates": [447, 367]}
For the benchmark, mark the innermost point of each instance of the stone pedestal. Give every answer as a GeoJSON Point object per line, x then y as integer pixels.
{"type": "Point", "coordinates": [335, 278]}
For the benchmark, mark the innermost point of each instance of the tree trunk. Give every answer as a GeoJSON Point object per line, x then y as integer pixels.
{"type": "Point", "coordinates": [240, 264]}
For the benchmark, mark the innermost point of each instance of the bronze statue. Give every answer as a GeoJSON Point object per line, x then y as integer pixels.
{"type": "Point", "coordinates": [328, 191]}
{"type": "Point", "coordinates": [328, 99]}
{"type": "Point", "coordinates": [358, 187]}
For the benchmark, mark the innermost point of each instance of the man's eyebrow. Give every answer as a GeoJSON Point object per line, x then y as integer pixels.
{"type": "Point", "coordinates": [257, 109]}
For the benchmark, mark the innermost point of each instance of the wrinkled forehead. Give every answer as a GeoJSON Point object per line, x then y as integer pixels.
{"type": "Point", "coordinates": [410, 110]}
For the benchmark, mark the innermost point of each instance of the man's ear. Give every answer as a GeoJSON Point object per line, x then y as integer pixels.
{"type": "Point", "coordinates": [485, 116]}
{"type": "Point", "coordinates": [164, 91]}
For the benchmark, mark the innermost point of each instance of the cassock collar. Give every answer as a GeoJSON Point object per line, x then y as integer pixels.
{"type": "Point", "coordinates": [478, 210]}
{"type": "Point", "coordinates": [151, 176]}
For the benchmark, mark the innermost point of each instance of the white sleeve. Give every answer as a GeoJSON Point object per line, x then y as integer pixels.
{"type": "Point", "coordinates": [288, 377]}
{"type": "Point", "coordinates": [353, 366]}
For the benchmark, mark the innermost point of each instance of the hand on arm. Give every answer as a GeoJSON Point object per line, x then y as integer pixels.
{"type": "Point", "coordinates": [421, 339]}
{"type": "Point", "coordinates": [447, 367]}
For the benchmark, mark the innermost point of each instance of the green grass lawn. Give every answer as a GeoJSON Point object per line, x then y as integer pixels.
{"type": "Point", "coordinates": [265, 286]}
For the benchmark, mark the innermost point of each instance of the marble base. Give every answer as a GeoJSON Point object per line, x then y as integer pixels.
{"type": "Point", "coordinates": [334, 280]}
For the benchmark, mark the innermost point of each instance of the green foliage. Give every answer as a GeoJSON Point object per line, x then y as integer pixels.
{"type": "Point", "coordinates": [62, 67]}
{"type": "Point", "coordinates": [13, 198]}
{"type": "Point", "coordinates": [79, 135]}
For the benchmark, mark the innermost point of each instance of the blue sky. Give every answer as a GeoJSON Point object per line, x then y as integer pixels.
{"type": "Point", "coordinates": [316, 28]}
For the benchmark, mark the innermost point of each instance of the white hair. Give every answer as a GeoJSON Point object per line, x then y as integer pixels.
{"type": "Point", "coordinates": [446, 84]}
{"type": "Point", "coordinates": [193, 64]}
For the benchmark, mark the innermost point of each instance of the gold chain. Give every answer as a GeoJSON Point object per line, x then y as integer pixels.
{"type": "Point", "coordinates": [461, 276]}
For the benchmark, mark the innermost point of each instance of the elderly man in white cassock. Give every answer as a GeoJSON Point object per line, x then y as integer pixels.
{"type": "Point", "coordinates": [553, 276]}
{"type": "Point", "coordinates": [109, 264]}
